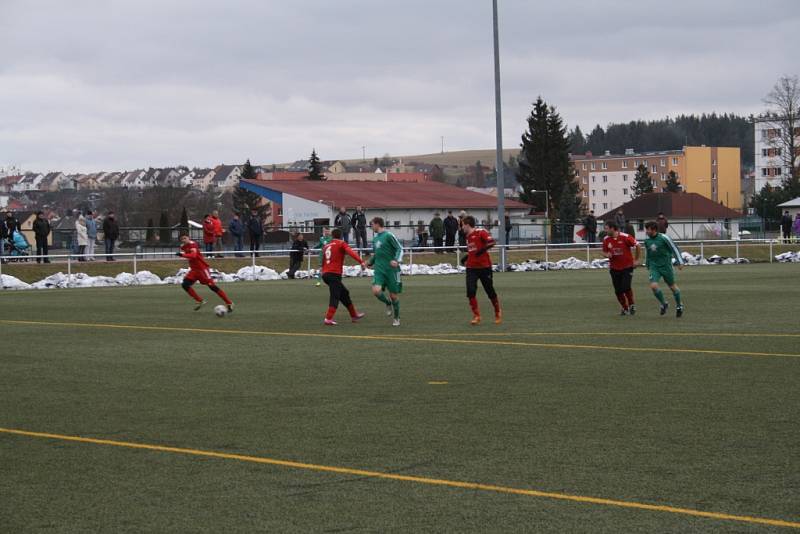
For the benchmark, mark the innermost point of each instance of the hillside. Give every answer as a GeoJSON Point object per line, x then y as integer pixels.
{"type": "Point", "coordinates": [460, 158]}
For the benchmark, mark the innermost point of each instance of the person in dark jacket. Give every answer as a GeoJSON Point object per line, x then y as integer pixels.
{"type": "Point", "coordinates": [436, 228]}
{"type": "Point", "coordinates": [110, 234]}
{"type": "Point", "coordinates": [299, 247]}
{"type": "Point", "coordinates": [236, 228]}
{"type": "Point", "coordinates": [450, 230]}
{"type": "Point", "coordinates": [786, 227]}
{"type": "Point", "coordinates": [41, 230]}
{"type": "Point", "coordinates": [255, 229]}
{"type": "Point", "coordinates": [359, 222]}
{"type": "Point", "coordinates": [462, 235]}
{"type": "Point", "coordinates": [508, 227]}
{"type": "Point", "coordinates": [11, 224]}
{"type": "Point", "coordinates": [344, 223]}
{"type": "Point", "coordinates": [590, 224]}
{"type": "Point", "coordinates": [662, 223]}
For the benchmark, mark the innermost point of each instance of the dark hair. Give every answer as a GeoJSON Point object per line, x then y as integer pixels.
{"type": "Point", "coordinates": [337, 233]}
{"type": "Point", "coordinates": [379, 221]}
{"type": "Point", "coordinates": [39, 212]}
{"type": "Point", "coordinates": [470, 220]}
{"type": "Point", "coordinates": [183, 234]}
{"type": "Point", "coordinates": [651, 225]}
{"type": "Point", "coordinates": [612, 224]}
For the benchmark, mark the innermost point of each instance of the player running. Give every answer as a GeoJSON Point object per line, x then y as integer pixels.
{"type": "Point", "coordinates": [617, 248]}
{"type": "Point", "coordinates": [660, 251]}
{"type": "Point", "coordinates": [386, 258]}
{"type": "Point", "coordinates": [332, 264]}
{"type": "Point", "coordinates": [198, 272]}
{"type": "Point", "coordinates": [324, 240]}
{"type": "Point", "coordinates": [479, 267]}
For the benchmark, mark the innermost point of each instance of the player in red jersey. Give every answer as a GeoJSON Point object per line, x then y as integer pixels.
{"type": "Point", "coordinates": [198, 272]}
{"type": "Point", "coordinates": [621, 262]}
{"type": "Point", "coordinates": [332, 264]}
{"type": "Point", "coordinates": [479, 267]}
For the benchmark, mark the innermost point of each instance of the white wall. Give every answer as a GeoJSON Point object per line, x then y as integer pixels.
{"type": "Point", "coordinates": [611, 189]}
{"type": "Point", "coordinates": [298, 211]}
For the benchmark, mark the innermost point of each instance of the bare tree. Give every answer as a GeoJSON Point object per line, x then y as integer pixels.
{"type": "Point", "coordinates": [783, 115]}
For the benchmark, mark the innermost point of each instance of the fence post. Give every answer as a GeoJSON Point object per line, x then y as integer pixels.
{"type": "Point", "coordinates": [702, 255]}
{"type": "Point", "coordinates": [737, 251]}
{"type": "Point", "coordinates": [135, 270]}
{"type": "Point", "coordinates": [546, 253]}
{"type": "Point", "coordinates": [770, 251]}
{"type": "Point", "coordinates": [253, 260]}
{"type": "Point", "coordinates": [309, 265]}
{"type": "Point", "coordinates": [69, 269]}
{"type": "Point", "coordinates": [411, 261]}
{"type": "Point", "coordinates": [588, 257]}
{"type": "Point", "coordinates": [1, 267]}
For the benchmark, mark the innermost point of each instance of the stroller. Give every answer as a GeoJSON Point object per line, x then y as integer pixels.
{"type": "Point", "coordinates": [16, 247]}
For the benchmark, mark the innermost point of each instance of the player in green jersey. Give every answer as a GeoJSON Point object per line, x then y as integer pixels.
{"type": "Point", "coordinates": [386, 256]}
{"type": "Point", "coordinates": [324, 240]}
{"type": "Point", "coordinates": [660, 251]}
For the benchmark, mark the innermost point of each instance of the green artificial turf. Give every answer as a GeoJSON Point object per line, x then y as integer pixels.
{"type": "Point", "coordinates": [705, 431]}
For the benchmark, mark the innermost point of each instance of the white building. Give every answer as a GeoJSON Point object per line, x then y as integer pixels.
{"type": "Point", "coordinates": [770, 161]}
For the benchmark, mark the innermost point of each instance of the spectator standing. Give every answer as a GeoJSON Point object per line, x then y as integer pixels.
{"type": "Point", "coordinates": [359, 222]}
{"type": "Point", "coordinates": [110, 234]}
{"type": "Point", "coordinates": [236, 228]}
{"type": "Point", "coordinates": [796, 227]}
{"type": "Point", "coordinates": [508, 227]}
{"type": "Point", "coordinates": [786, 226]}
{"type": "Point", "coordinates": [662, 223]}
{"type": "Point", "coordinates": [11, 224]}
{"type": "Point", "coordinates": [209, 233]}
{"type": "Point", "coordinates": [422, 234]}
{"type": "Point", "coordinates": [450, 229]}
{"type": "Point", "coordinates": [218, 232]}
{"type": "Point", "coordinates": [91, 235]}
{"type": "Point", "coordinates": [344, 223]}
{"type": "Point", "coordinates": [436, 228]}
{"type": "Point", "coordinates": [590, 224]}
{"type": "Point", "coordinates": [299, 247]}
{"type": "Point", "coordinates": [83, 238]}
{"type": "Point", "coordinates": [462, 235]}
{"type": "Point", "coordinates": [255, 230]}
{"type": "Point", "coordinates": [619, 218]}
{"type": "Point", "coordinates": [41, 230]}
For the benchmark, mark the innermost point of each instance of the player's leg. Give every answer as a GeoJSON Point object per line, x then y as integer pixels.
{"type": "Point", "coordinates": [334, 284]}
{"type": "Point", "coordinates": [616, 281]}
{"type": "Point", "coordinates": [627, 281]}
{"type": "Point", "coordinates": [379, 282]}
{"type": "Point", "coordinates": [486, 277]}
{"type": "Point", "coordinates": [395, 287]}
{"type": "Point", "coordinates": [348, 303]}
{"type": "Point", "coordinates": [655, 276]}
{"type": "Point", "coordinates": [472, 291]}
{"type": "Point", "coordinates": [676, 292]}
{"type": "Point", "coordinates": [187, 283]}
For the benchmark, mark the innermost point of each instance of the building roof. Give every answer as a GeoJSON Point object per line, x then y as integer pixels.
{"type": "Point", "coordinates": [379, 195]}
{"type": "Point", "coordinates": [674, 206]}
{"type": "Point", "coordinates": [794, 203]}
{"type": "Point", "coordinates": [608, 155]}
{"type": "Point", "coordinates": [222, 172]}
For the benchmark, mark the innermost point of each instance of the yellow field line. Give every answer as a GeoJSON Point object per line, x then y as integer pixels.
{"type": "Point", "coordinates": [448, 341]}
{"type": "Point", "coordinates": [409, 478]}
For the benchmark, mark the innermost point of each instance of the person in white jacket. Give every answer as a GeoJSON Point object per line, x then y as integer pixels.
{"type": "Point", "coordinates": [83, 237]}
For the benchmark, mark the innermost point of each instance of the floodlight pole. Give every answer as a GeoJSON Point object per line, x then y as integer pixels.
{"type": "Point", "coordinates": [501, 212]}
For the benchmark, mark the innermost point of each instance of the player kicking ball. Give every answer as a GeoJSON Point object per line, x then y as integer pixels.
{"type": "Point", "coordinates": [198, 272]}
{"type": "Point", "coordinates": [333, 255]}
{"type": "Point", "coordinates": [385, 261]}
{"type": "Point", "coordinates": [479, 267]}
{"type": "Point", "coordinates": [621, 262]}
{"type": "Point", "coordinates": [660, 251]}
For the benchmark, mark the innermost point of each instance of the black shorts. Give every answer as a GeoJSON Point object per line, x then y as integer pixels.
{"type": "Point", "coordinates": [622, 280]}
{"type": "Point", "coordinates": [338, 293]}
{"type": "Point", "coordinates": [485, 276]}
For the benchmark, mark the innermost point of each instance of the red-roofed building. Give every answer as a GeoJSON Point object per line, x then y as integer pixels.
{"type": "Point", "coordinates": [304, 203]}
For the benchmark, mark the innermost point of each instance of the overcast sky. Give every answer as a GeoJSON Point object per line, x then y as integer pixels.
{"type": "Point", "coordinates": [89, 85]}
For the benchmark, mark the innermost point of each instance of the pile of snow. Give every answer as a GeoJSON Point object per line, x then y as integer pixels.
{"type": "Point", "coordinates": [10, 282]}
{"type": "Point", "coordinates": [788, 257]}
{"type": "Point", "coordinates": [568, 264]}
{"type": "Point", "coordinates": [691, 259]}
{"type": "Point", "coordinates": [258, 273]}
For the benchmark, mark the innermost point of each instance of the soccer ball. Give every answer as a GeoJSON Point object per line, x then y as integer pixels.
{"type": "Point", "coordinates": [220, 310]}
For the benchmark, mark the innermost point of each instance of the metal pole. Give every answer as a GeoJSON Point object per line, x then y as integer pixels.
{"type": "Point", "coordinates": [737, 250]}
{"type": "Point", "coordinates": [588, 257]}
{"type": "Point", "coordinates": [135, 270]}
{"type": "Point", "coordinates": [701, 250]}
{"type": "Point", "coordinates": [770, 251]}
{"type": "Point", "coordinates": [69, 269]}
{"type": "Point", "coordinates": [501, 211]}
{"type": "Point", "coordinates": [411, 260]}
{"type": "Point", "coordinates": [253, 258]}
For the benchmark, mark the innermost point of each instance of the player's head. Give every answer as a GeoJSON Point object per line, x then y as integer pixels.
{"type": "Point", "coordinates": [612, 228]}
{"type": "Point", "coordinates": [326, 230]}
{"type": "Point", "coordinates": [651, 228]}
{"type": "Point", "coordinates": [468, 222]}
{"type": "Point", "coordinates": [184, 238]}
{"type": "Point", "coordinates": [336, 233]}
{"type": "Point", "coordinates": [377, 224]}
{"type": "Point", "coordinates": [215, 213]}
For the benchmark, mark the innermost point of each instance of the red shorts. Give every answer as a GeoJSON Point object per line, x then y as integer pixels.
{"type": "Point", "coordinates": [204, 277]}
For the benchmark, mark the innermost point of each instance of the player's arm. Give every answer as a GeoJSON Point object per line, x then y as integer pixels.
{"type": "Point", "coordinates": [191, 254]}
{"type": "Point", "coordinates": [353, 254]}
{"type": "Point", "coordinates": [637, 249]}
{"type": "Point", "coordinates": [607, 249]}
{"type": "Point", "coordinates": [398, 248]}
{"type": "Point", "coordinates": [676, 252]}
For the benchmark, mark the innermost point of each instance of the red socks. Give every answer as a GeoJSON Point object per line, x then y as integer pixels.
{"type": "Point", "coordinates": [629, 295]}
{"type": "Point", "coordinates": [353, 311]}
{"type": "Point", "coordinates": [224, 297]}
{"type": "Point", "coordinates": [193, 294]}
{"type": "Point", "coordinates": [331, 313]}
{"type": "Point", "coordinates": [473, 303]}
{"type": "Point", "coordinates": [621, 299]}
{"type": "Point", "coordinates": [496, 304]}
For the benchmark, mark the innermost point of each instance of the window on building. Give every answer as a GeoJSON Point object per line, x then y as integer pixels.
{"type": "Point", "coordinates": [605, 178]}
{"type": "Point", "coordinates": [674, 161]}
{"type": "Point", "coordinates": [663, 177]}
{"type": "Point", "coordinates": [636, 163]}
{"type": "Point", "coordinates": [593, 167]}
{"type": "Point", "coordinates": [594, 206]}
{"type": "Point", "coordinates": [624, 177]}
{"type": "Point", "coordinates": [605, 192]}
{"type": "Point", "coordinates": [594, 178]}
{"type": "Point", "coordinates": [593, 192]}
{"type": "Point", "coordinates": [585, 194]}
{"type": "Point", "coordinates": [585, 180]}
{"type": "Point", "coordinates": [653, 169]}
{"type": "Point", "coordinates": [624, 191]}
{"type": "Point", "coordinates": [713, 163]}
{"type": "Point", "coordinates": [713, 176]}
{"type": "Point", "coordinates": [624, 163]}
{"type": "Point", "coordinates": [663, 162]}
{"type": "Point", "coordinates": [604, 165]}
{"type": "Point", "coordinates": [605, 205]}
{"type": "Point", "coordinates": [583, 166]}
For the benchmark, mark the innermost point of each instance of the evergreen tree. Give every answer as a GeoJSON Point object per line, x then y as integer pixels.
{"type": "Point", "coordinates": [642, 183]}
{"type": "Point", "coordinates": [767, 200]}
{"type": "Point", "coordinates": [577, 141]}
{"type": "Point", "coordinates": [672, 185]}
{"type": "Point", "coordinates": [314, 167]}
{"type": "Point", "coordinates": [164, 232]}
{"type": "Point", "coordinates": [150, 234]}
{"type": "Point", "coordinates": [544, 162]}
{"type": "Point", "coordinates": [184, 221]}
{"type": "Point", "coordinates": [245, 200]}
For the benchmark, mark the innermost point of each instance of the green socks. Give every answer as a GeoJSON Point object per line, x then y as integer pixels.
{"type": "Point", "coordinates": [677, 295]}
{"type": "Point", "coordinates": [659, 295]}
{"type": "Point", "coordinates": [383, 298]}
{"type": "Point", "coordinates": [396, 308]}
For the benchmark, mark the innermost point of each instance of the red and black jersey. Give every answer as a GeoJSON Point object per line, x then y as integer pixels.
{"type": "Point", "coordinates": [191, 251]}
{"type": "Point", "coordinates": [620, 249]}
{"type": "Point", "coordinates": [333, 256]}
{"type": "Point", "coordinates": [479, 240]}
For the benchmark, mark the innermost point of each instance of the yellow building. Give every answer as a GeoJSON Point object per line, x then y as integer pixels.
{"type": "Point", "coordinates": [714, 172]}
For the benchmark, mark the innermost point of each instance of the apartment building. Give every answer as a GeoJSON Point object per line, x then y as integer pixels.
{"type": "Point", "coordinates": [770, 161]}
{"type": "Point", "coordinates": [606, 181]}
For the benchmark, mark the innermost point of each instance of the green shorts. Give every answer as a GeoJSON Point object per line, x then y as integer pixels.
{"type": "Point", "coordinates": [667, 273]}
{"type": "Point", "coordinates": [388, 279]}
